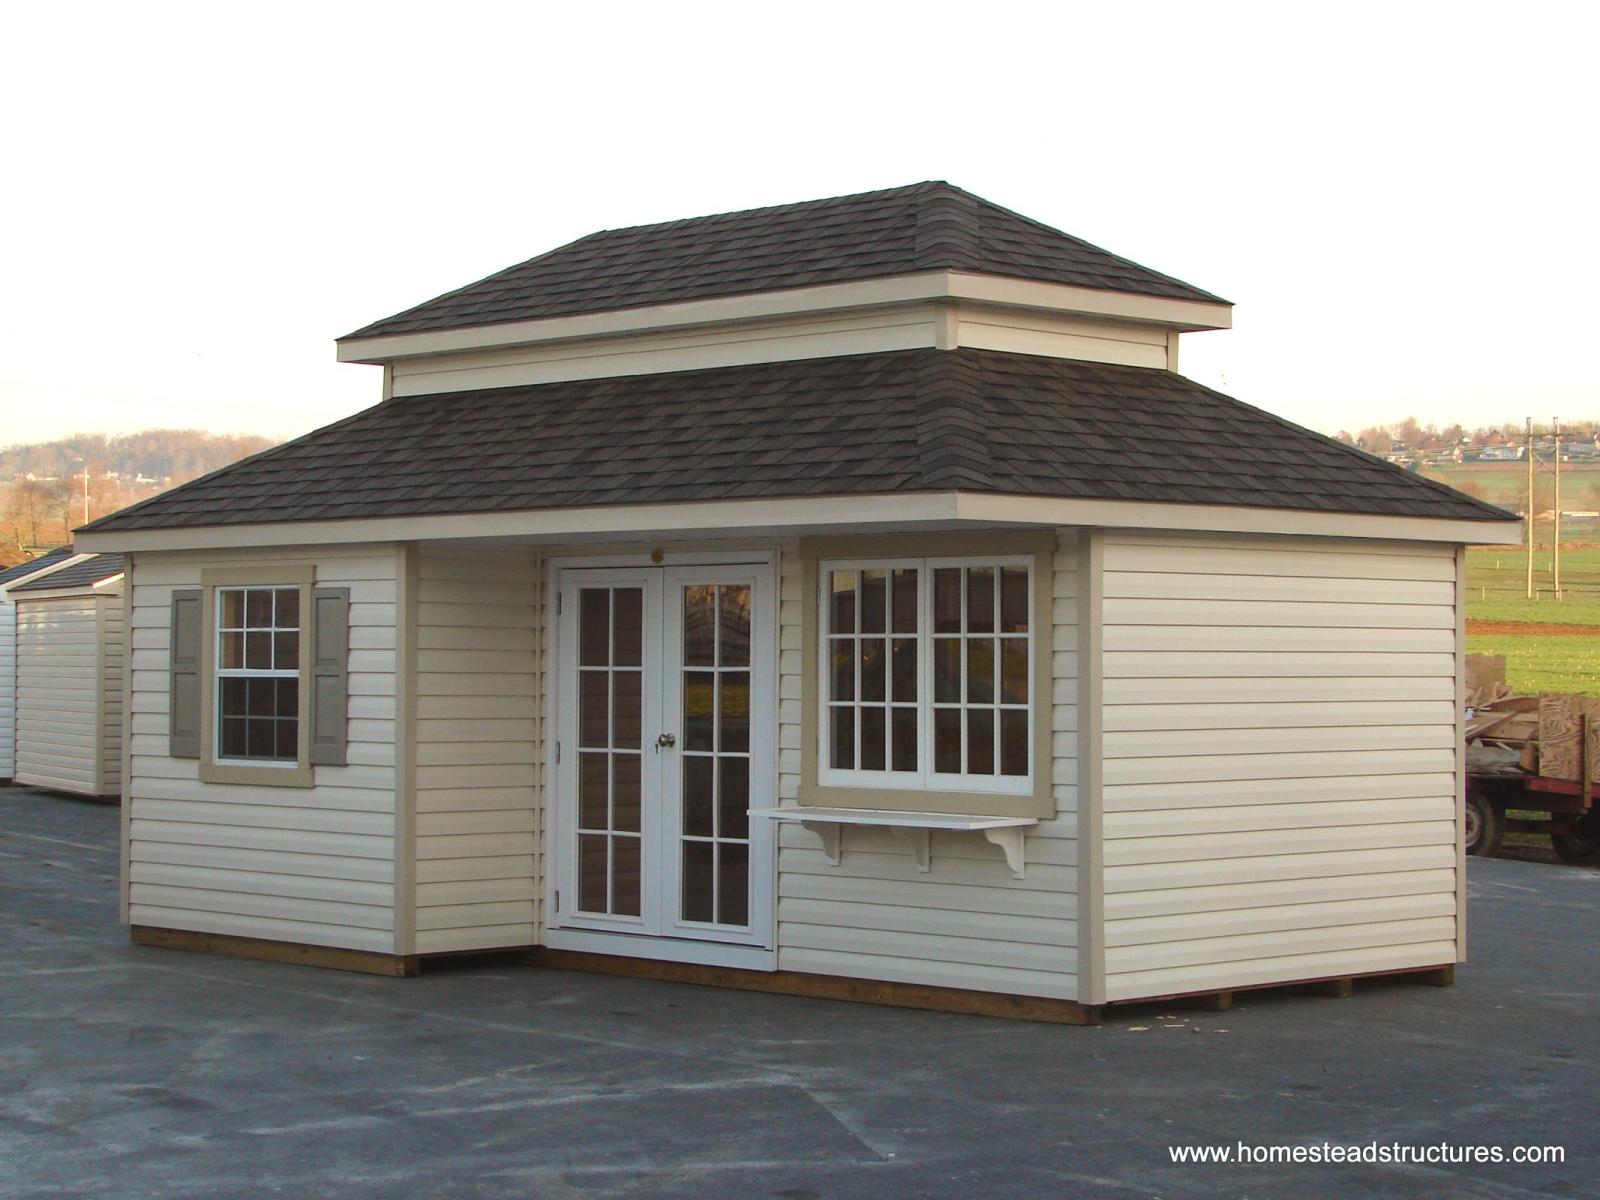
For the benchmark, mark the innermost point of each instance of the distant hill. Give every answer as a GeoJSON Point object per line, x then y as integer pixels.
{"type": "Point", "coordinates": [171, 456]}
{"type": "Point", "coordinates": [42, 485]}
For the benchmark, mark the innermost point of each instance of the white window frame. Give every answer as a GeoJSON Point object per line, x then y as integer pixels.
{"type": "Point", "coordinates": [220, 673]}
{"type": "Point", "coordinates": [925, 778]}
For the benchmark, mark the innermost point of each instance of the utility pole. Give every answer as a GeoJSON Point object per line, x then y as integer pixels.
{"type": "Point", "coordinates": [1529, 453]}
{"type": "Point", "coordinates": [1555, 566]}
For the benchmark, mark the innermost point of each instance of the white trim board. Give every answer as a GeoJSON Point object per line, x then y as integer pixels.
{"type": "Point", "coordinates": [832, 514]}
{"type": "Point", "coordinates": [826, 298]}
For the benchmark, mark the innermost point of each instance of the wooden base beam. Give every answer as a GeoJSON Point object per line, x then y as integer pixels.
{"type": "Point", "coordinates": [828, 987]}
{"type": "Point", "coordinates": [1437, 977]}
{"type": "Point", "coordinates": [1210, 1001]}
{"type": "Point", "coordinates": [365, 961]}
{"type": "Point", "coordinates": [1337, 989]}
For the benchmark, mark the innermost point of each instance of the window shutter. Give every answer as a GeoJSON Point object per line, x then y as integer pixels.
{"type": "Point", "coordinates": [183, 701]}
{"type": "Point", "coordinates": [330, 641]}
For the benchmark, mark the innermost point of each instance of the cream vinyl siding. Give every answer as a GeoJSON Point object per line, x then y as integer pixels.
{"type": "Point", "coordinates": [8, 688]}
{"type": "Point", "coordinates": [113, 662]}
{"type": "Point", "coordinates": [1066, 337]}
{"type": "Point", "coordinates": [1279, 765]}
{"type": "Point", "coordinates": [310, 865]}
{"type": "Point", "coordinates": [479, 745]}
{"type": "Point", "coordinates": [63, 676]}
{"type": "Point", "coordinates": [966, 923]}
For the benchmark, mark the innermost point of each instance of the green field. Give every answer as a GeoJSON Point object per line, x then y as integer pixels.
{"type": "Point", "coordinates": [1538, 661]}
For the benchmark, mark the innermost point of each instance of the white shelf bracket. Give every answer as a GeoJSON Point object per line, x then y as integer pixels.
{"type": "Point", "coordinates": [1010, 839]}
{"type": "Point", "coordinates": [917, 840]}
{"type": "Point", "coordinates": [828, 831]}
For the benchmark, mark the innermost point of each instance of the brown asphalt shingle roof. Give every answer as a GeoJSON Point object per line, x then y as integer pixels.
{"type": "Point", "coordinates": [34, 565]}
{"type": "Point", "coordinates": [923, 227]}
{"type": "Point", "coordinates": [80, 574]}
{"type": "Point", "coordinates": [902, 421]}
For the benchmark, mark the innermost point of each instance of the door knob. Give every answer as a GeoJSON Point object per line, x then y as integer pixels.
{"type": "Point", "coordinates": [666, 741]}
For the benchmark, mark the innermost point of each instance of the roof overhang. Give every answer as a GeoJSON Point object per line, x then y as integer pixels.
{"type": "Point", "coordinates": [802, 516]}
{"type": "Point", "coordinates": [47, 569]}
{"type": "Point", "coordinates": [78, 589]}
{"type": "Point", "coordinates": [1180, 315]}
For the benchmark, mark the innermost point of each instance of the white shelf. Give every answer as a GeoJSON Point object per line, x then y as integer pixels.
{"type": "Point", "coordinates": [913, 828]}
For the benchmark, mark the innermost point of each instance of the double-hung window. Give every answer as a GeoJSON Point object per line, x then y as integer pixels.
{"type": "Point", "coordinates": [926, 674]}
{"type": "Point", "coordinates": [258, 675]}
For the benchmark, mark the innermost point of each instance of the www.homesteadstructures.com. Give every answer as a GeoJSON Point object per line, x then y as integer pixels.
{"type": "Point", "coordinates": [847, 597]}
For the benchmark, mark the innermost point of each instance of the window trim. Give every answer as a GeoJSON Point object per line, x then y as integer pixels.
{"type": "Point", "coordinates": [1037, 800]}
{"type": "Point", "coordinates": [214, 768]}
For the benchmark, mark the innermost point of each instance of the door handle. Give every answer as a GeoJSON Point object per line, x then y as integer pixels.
{"type": "Point", "coordinates": [666, 741]}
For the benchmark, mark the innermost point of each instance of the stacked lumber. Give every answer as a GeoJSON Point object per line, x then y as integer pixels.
{"type": "Point", "coordinates": [1486, 679]}
{"type": "Point", "coordinates": [1561, 721]}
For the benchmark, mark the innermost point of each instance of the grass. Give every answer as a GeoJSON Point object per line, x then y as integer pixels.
{"type": "Point", "coordinates": [1538, 662]}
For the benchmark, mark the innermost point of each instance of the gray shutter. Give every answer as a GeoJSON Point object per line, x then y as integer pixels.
{"type": "Point", "coordinates": [330, 651]}
{"type": "Point", "coordinates": [183, 714]}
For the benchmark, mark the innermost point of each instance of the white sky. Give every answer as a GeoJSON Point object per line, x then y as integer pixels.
{"type": "Point", "coordinates": [196, 200]}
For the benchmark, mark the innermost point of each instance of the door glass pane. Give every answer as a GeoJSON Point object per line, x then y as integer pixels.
{"type": "Point", "coordinates": [625, 798]}
{"type": "Point", "coordinates": [626, 883]}
{"type": "Point", "coordinates": [733, 883]}
{"type": "Point", "coordinates": [593, 863]}
{"type": "Point", "coordinates": [626, 711]}
{"type": "Point", "coordinates": [946, 670]}
{"type": "Point", "coordinates": [733, 798]}
{"type": "Point", "coordinates": [698, 777]}
{"type": "Point", "coordinates": [733, 627]}
{"type": "Point", "coordinates": [593, 792]}
{"type": "Point", "coordinates": [699, 880]}
{"type": "Point", "coordinates": [734, 712]}
{"type": "Point", "coordinates": [699, 705]}
{"type": "Point", "coordinates": [700, 626]}
{"type": "Point", "coordinates": [594, 627]}
{"type": "Point", "coordinates": [610, 737]}
{"type": "Point", "coordinates": [594, 718]}
{"type": "Point", "coordinates": [627, 626]}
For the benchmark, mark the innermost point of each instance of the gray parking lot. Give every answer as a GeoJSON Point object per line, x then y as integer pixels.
{"type": "Point", "coordinates": [128, 1072]}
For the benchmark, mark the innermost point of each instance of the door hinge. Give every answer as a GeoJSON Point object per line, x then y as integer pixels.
{"type": "Point", "coordinates": [559, 598]}
{"type": "Point", "coordinates": [558, 751]}
{"type": "Point", "coordinates": [558, 899]}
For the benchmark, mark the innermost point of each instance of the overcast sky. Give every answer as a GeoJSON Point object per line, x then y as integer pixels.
{"type": "Point", "coordinates": [1400, 198]}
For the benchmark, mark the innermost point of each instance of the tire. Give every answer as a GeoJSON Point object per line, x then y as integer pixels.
{"type": "Point", "coordinates": [1486, 825]}
{"type": "Point", "coordinates": [1582, 845]}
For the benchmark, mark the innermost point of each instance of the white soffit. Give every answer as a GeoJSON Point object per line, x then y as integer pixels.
{"type": "Point", "coordinates": [834, 514]}
{"type": "Point", "coordinates": [1061, 299]}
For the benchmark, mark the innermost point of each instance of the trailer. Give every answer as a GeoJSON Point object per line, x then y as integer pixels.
{"type": "Point", "coordinates": [1562, 808]}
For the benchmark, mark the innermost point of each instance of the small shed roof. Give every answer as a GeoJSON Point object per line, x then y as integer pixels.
{"type": "Point", "coordinates": [922, 227]}
{"type": "Point", "coordinates": [34, 565]}
{"type": "Point", "coordinates": [901, 421]}
{"type": "Point", "coordinates": [95, 569]}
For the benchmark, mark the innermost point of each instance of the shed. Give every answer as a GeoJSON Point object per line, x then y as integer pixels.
{"type": "Point", "coordinates": [70, 655]}
{"type": "Point", "coordinates": [848, 598]}
{"type": "Point", "coordinates": [11, 576]}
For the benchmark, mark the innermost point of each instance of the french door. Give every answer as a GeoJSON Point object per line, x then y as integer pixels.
{"type": "Point", "coordinates": [665, 695]}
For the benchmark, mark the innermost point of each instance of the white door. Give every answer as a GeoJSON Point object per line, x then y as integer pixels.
{"type": "Point", "coordinates": [666, 697]}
